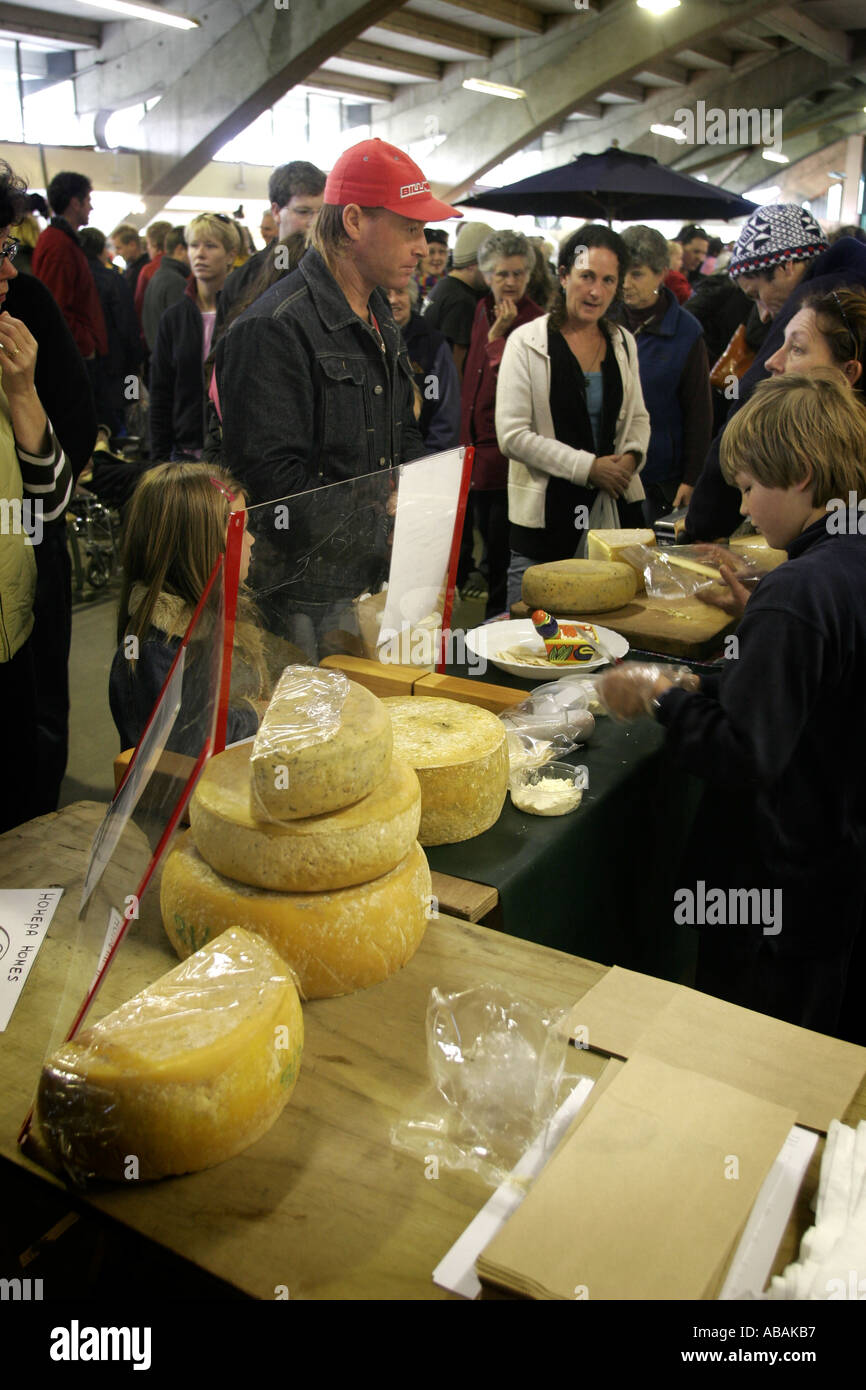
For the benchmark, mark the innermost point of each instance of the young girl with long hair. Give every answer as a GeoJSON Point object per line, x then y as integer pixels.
{"type": "Point", "coordinates": [176, 528]}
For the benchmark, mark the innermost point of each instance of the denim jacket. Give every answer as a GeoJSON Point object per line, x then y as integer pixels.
{"type": "Point", "coordinates": [309, 396]}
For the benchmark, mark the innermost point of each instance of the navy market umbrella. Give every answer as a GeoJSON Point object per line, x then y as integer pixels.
{"type": "Point", "coordinates": [614, 185]}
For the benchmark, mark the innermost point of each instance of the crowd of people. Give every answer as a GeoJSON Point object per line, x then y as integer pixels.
{"type": "Point", "coordinates": [603, 383]}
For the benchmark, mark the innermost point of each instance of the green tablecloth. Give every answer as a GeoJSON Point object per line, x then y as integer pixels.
{"type": "Point", "coordinates": [598, 882]}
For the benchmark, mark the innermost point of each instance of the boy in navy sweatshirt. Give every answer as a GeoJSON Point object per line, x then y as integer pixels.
{"type": "Point", "coordinates": [777, 736]}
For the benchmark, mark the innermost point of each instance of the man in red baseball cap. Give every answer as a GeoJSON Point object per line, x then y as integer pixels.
{"type": "Point", "coordinates": [313, 378]}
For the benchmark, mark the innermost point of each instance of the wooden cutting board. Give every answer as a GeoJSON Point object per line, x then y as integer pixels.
{"type": "Point", "coordinates": [674, 627]}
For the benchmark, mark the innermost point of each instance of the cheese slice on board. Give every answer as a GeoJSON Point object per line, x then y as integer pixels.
{"type": "Point", "coordinates": [189, 1072]}
{"type": "Point", "coordinates": [334, 850]}
{"type": "Point", "coordinates": [579, 586]}
{"type": "Point", "coordinates": [609, 545]}
{"type": "Point", "coordinates": [324, 743]}
{"type": "Point", "coordinates": [335, 942]}
{"type": "Point", "coordinates": [460, 754]}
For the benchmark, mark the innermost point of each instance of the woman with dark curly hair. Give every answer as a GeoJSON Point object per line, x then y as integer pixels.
{"type": "Point", "coordinates": [570, 414]}
{"type": "Point", "coordinates": [35, 482]}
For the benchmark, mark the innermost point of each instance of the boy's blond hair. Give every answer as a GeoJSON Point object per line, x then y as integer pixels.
{"type": "Point", "coordinates": [217, 225]}
{"type": "Point", "coordinates": [794, 426]}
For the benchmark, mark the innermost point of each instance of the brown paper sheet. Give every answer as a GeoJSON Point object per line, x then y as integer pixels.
{"type": "Point", "coordinates": [815, 1074]}
{"type": "Point", "coordinates": [641, 1200]}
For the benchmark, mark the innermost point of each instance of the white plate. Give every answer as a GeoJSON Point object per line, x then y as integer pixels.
{"type": "Point", "coordinates": [488, 641]}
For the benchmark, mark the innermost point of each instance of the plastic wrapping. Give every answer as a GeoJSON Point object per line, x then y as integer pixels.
{"type": "Point", "coordinates": [323, 743]}
{"type": "Point", "coordinates": [628, 691]}
{"type": "Point", "coordinates": [549, 723]}
{"type": "Point", "coordinates": [184, 1075]}
{"type": "Point", "coordinates": [497, 1066]}
{"type": "Point", "coordinates": [684, 571]}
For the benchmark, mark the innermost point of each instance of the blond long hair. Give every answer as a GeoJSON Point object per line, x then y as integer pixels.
{"type": "Point", "coordinates": [175, 532]}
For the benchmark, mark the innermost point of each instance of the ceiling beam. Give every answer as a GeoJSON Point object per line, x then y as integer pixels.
{"type": "Point", "coordinates": [632, 91]}
{"type": "Point", "coordinates": [42, 24]}
{"type": "Point", "coordinates": [353, 86]}
{"type": "Point", "coordinates": [593, 109]}
{"type": "Point", "coordinates": [833, 46]}
{"type": "Point", "coordinates": [378, 55]}
{"type": "Point", "coordinates": [416, 26]}
{"type": "Point", "coordinates": [671, 71]}
{"type": "Point", "coordinates": [712, 52]}
{"type": "Point", "coordinates": [504, 12]}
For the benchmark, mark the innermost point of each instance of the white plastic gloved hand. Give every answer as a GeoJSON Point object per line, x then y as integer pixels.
{"type": "Point", "coordinates": [627, 692]}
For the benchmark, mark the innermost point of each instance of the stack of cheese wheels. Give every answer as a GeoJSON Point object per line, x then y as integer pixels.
{"type": "Point", "coordinates": [460, 754]}
{"type": "Point", "coordinates": [188, 1073]}
{"type": "Point", "coordinates": [579, 586]}
{"type": "Point", "coordinates": [342, 892]}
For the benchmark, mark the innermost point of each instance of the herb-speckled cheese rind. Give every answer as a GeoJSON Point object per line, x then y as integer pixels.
{"type": "Point", "coordinates": [460, 754]}
{"type": "Point", "coordinates": [289, 782]}
{"type": "Point", "coordinates": [334, 850]}
{"type": "Point", "coordinates": [579, 586]}
{"type": "Point", "coordinates": [335, 942]}
{"type": "Point", "coordinates": [188, 1073]}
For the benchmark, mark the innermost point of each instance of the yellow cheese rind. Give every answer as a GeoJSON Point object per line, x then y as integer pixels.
{"type": "Point", "coordinates": [291, 779]}
{"type": "Point", "coordinates": [188, 1073]}
{"type": "Point", "coordinates": [756, 548]}
{"type": "Point", "coordinates": [335, 942]}
{"type": "Point", "coordinates": [609, 545]}
{"type": "Point", "coordinates": [460, 754]}
{"type": "Point", "coordinates": [579, 586]}
{"type": "Point", "coordinates": [334, 850]}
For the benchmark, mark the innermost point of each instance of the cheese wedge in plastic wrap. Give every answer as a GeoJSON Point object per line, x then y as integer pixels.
{"type": "Point", "coordinates": [609, 545]}
{"type": "Point", "coordinates": [188, 1073]}
{"type": "Point", "coordinates": [579, 586]}
{"type": "Point", "coordinates": [335, 942]}
{"type": "Point", "coordinates": [460, 754]}
{"type": "Point", "coordinates": [333, 850]}
{"type": "Point", "coordinates": [324, 742]}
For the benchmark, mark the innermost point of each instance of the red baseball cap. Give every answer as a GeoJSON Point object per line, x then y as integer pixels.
{"type": "Point", "coordinates": [374, 174]}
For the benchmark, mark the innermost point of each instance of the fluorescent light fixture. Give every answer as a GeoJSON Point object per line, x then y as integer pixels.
{"type": "Point", "coordinates": [138, 9]}
{"type": "Point", "coordinates": [493, 89]}
{"type": "Point", "coordinates": [673, 132]}
{"type": "Point", "coordinates": [658, 6]}
{"type": "Point", "coordinates": [775, 158]}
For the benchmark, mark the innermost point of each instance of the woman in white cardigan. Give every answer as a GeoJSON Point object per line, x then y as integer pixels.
{"type": "Point", "coordinates": [570, 414]}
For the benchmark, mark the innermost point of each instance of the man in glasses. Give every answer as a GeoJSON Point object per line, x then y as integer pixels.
{"type": "Point", "coordinates": [781, 257]}
{"type": "Point", "coordinates": [295, 191]}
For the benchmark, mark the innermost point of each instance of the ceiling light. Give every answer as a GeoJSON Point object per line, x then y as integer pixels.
{"type": "Point", "coordinates": [138, 9]}
{"type": "Point", "coordinates": [775, 158]}
{"type": "Point", "coordinates": [657, 6]}
{"type": "Point", "coordinates": [673, 132]}
{"type": "Point", "coordinates": [493, 89]}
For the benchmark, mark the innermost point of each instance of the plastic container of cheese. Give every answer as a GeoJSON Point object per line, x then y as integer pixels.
{"type": "Point", "coordinates": [554, 789]}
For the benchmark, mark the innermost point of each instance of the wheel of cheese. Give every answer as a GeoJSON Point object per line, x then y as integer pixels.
{"type": "Point", "coordinates": [295, 773]}
{"type": "Point", "coordinates": [335, 850]}
{"type": "Point", "coordinates": [579, 586]}
{"type": "Point", "coordinates": [188, 1073]}
{"type": "Point", "coordinates": [335, 942]}
{"type": "Point", "coordinates": [609, 545]}
{"type": "Point", "coordinates": [460, 754]}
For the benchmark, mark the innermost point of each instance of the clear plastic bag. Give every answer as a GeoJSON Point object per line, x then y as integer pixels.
{"type": "Point", "coordinates": [496, 1063]}
{"type": "Point", "coordinates": [683, 571]}
{"type": "Point", "coordinates": [305, 710]}
{"type": "Point", "coordinates": [550, 723]}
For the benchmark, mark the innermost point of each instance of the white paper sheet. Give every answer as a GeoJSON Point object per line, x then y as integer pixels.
{"type": "Point", "coordinates": [456, 1270]}
{"type": "Point", "coordinates": [427, 500]}
{"type": "Point", "coordinates": [750, 1268]}
{"type": "Point", "coordinates": [25, 915]}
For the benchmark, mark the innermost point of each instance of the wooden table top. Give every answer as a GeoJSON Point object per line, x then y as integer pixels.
{"type": "Point", "coordinates": [323, 1205]}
